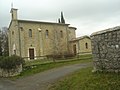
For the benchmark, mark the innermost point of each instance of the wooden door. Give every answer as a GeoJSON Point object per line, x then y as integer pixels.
{"type": "Point", "coordinates": [74, 49]}
{"type": "Point", "coordinates": [31, 53]}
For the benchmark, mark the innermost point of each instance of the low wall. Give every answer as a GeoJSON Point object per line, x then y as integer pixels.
{"type": "Point", "coordinates": [12, 72]}
{"type": "Point", "coordinates": [106, 50]}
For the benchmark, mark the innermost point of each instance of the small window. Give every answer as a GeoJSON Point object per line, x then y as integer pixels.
{"type": "Point", "coordinates": [30, 32]}
{"type": "Point", "coordinates": [46, 33]}
{"type": "Point", "coordinates": [86, 45]}
{"type": "Point", "coordinates": [61, 34]}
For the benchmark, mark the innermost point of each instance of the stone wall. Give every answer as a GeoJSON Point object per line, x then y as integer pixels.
{"type": "Point", "coordinates": [12, 72]}
{"type": "Point", "coordinates": [106, 50]}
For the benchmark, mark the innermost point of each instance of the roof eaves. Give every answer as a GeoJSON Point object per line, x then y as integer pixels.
{"type": "Point", "coordinates": [31, 21]}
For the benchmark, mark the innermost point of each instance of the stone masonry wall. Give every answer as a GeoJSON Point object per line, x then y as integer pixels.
{"type": "Point", "coordinates": [10, 73]}
{"type": "Point", "coordinates": [106, 50]}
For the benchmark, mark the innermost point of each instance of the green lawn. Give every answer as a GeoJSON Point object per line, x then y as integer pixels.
{"type": "Point", "coordinates": [84, 79]}
{"type": "Point", "coordinates": [38, 66]}
{"type": "Point", "coordinates": [35, 62]}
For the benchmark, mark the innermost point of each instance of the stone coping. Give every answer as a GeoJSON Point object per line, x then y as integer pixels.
{"type": "Point", "coordinates": [106, 30]}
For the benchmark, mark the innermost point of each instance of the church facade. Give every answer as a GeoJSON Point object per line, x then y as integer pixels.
{"type": "Point", "coordinates": [34, 39]}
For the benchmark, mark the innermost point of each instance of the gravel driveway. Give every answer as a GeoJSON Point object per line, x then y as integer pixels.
{"type": "Point", "coordinates": [40, 81]}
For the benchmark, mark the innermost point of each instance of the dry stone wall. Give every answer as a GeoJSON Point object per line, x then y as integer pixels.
{"type": "Point", "coordinates": [106, 50]}
{"type": "Point", "coordinates": [10, 73]}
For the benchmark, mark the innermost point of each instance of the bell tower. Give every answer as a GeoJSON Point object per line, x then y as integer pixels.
{"type": "Point", "coordinates": [13, 13]}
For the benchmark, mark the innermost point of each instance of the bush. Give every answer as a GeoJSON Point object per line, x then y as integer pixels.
{"type": "Point", "coordinates": [10, 62]}
{"type": "Point", "coordinates": [61, 56]}
{"type": "Point", "coordinates": [69, 55]}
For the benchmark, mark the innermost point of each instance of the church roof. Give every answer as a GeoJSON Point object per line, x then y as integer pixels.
{"type": "Point", "coordinates": [31, 21]}
{"type": "Point", "coordinates": [80, 38]}
{"type": "Point", "coordinates": [73, 28]}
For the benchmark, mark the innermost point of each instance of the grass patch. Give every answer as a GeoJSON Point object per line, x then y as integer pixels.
{"type": "Point", "coordinates": [36, 62]}
{"type": "Point", "coordinates": [84, 79]}
{"type": "Point", "coordinates": [87, 56]}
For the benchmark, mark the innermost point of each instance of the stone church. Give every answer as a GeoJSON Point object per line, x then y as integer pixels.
{"type": "Point", "coordinates": [34, 39]}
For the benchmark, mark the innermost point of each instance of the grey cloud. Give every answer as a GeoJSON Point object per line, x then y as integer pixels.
{"type": "Point", "coordinates": [84, 14]}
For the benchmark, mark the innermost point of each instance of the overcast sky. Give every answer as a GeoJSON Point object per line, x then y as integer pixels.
{"type": "Point", "coordinates": [87, 16]}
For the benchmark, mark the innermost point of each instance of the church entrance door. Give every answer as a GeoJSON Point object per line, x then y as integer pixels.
{"type": "Point", "coordinates": [31, 53]}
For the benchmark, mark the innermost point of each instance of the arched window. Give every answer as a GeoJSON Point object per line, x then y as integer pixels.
{"type": "Point", "coordinates": [14, 49]}
{"type": "Point", "coordinates": [46, 33]}
{"type": "Point", "coordinates": [30, 32]}
{"type": "Point", "coordinates": [86, 45]}
{"type": "Point", "coordinates": [61, 34]}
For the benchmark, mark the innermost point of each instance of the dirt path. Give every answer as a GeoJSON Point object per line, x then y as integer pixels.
{"type": "Point", "coordinates": [40, 81]}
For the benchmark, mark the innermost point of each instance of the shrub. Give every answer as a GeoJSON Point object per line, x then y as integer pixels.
{"type": "Point", "coordinates": [10, 62]}
{"type": "Point", "coordinates": [69, 55]}
{"type": "Point", "coordinates": [61, 56]}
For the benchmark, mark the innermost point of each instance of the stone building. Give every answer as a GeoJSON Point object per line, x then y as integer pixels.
{"type": "Point", "coordinates": [32, 39]}
{"type": "Point", "coordinates": [106, 50]}
{"type": "Point", "coordinates": [81, 45]}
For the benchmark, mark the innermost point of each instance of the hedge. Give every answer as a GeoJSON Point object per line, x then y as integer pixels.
{"type": "Point", "coordinates": [10, 62]}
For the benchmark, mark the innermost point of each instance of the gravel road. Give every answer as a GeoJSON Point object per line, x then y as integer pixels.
{"type": "Point", "coordinates": [40, 81]}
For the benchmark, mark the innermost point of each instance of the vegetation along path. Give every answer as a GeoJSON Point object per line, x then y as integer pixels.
{"type": "Point", "coordinates": [40, 81]}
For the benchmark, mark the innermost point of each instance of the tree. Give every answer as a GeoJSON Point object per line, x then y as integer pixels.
{"type": "Point", "coordinates": [59, 20]}
{"type": "Point", "coordinates": [62, 18]}
{"type": "Point", "coordinates": [0, 43]}
{"type": "Point", "coordinates": [4, 42]}
{"type": "Point", "coordinates": [58, 43]}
